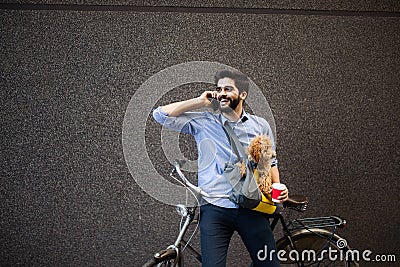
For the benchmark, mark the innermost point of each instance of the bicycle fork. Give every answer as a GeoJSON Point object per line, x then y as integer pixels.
{"type": "Point", "coordinates": [176, 248]}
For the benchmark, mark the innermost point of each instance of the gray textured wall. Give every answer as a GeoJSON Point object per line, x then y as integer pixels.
{"type": "Point", "coordinates": [67, 77]}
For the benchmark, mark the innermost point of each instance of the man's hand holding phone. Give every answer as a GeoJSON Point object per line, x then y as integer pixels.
{"type": "Point", "coordinates": [210, 99]}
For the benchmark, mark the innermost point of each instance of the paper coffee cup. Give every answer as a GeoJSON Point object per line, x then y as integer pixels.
{"type": "Point", "coordinates": [277, 189]}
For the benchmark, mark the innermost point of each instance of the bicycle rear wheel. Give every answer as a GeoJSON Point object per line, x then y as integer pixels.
{"type": "Point", "coordinates": [313, 247]}
{"type": "Point", "coordinates": [165, 258]}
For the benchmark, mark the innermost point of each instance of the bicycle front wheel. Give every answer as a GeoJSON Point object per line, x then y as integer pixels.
{"type": "Point", "coordinates": [165, 258]}
{"type": "Point", "coordinates": [313, 247]}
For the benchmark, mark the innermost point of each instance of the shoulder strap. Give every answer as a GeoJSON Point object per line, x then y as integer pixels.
{"type": "Point", "coordinates": [234, 140]}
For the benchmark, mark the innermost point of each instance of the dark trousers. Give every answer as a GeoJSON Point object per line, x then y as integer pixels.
{"type": "Point", "coordinates": [217, 226]}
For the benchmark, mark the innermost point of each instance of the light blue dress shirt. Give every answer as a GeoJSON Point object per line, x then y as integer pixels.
{"type": "Point", "coordinates": [213, 146]}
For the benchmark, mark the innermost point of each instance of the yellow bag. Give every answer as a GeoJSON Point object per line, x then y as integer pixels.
{"type": "Point", "coordinates": [266, 205]}
{"type": "Point", "coordinates": [245, 190]}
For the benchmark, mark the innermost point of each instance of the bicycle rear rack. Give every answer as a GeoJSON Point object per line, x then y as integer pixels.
{"type": "Point", "coordinates": [318, 222]}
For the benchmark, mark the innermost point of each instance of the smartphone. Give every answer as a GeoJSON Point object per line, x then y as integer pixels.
{"type": "Point", "coordinates": [214, 103]}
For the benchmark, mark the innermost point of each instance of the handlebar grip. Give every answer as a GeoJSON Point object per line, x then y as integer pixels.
{"type": "Point", "coordinates": [179, 162]}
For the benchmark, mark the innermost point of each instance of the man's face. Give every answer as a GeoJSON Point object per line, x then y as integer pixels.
{"type": "Point", "coordinates": [228, 95]}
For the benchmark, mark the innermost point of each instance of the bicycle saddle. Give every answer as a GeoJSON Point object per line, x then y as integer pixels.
{"type": "Point", "coordinates": [296, 202]}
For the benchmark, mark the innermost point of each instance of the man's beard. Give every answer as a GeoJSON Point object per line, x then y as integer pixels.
{"type": "Point", "coordinates": [233, 103]}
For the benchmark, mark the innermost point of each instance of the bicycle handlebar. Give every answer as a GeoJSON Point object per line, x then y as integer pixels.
{"type": "Point", "coordinates": [295, 202]}
{"type": "Point", "coordinates": [198, 190]}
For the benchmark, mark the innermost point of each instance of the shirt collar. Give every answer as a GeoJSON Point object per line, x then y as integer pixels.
{"type": "Point", "coordinates": [243, 118]}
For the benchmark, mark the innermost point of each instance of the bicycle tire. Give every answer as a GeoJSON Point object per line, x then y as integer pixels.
{"type": "Point", "coordinates": [317, 240]}
{"type": "Point", "coordinates": [165, 258]}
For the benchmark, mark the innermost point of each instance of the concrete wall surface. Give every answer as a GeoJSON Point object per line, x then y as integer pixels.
{"type": "Point", "coordinates": [69, 74]}
{"type": "Point", "coordinates": [365, 5]}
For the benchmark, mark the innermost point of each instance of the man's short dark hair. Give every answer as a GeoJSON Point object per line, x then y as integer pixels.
{"type": "Point", "coordinates": [241, 80]}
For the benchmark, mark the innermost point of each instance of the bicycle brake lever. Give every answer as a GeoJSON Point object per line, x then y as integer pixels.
{"type": "Point", "coordinates": [173, 171]}
{"type": "Point", "coordinates": [177, 164]}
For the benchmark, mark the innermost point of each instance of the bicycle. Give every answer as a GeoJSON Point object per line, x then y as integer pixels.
{"type": "Point", "coordinates": [306, 242]}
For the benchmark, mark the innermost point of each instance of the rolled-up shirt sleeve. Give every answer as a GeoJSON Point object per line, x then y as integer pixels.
{"type": "Point", "coordinates": [188, 122]}
{"type": "Point", "coordinates": [159, 115]}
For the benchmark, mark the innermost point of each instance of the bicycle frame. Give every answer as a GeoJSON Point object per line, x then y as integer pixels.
{"type": "Point", "coordinates": [189, 213]}
{"type": "Point", "coordinates": [190, 218]}
{"type": "Point", "coordinates": [293, 229]}
{"type": "Point", "coordinates": [175, 249]}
